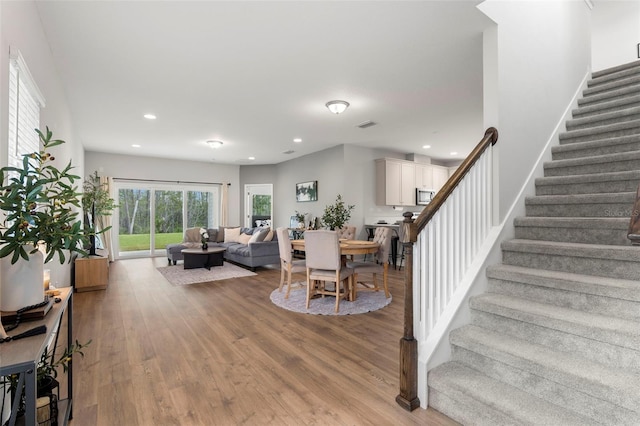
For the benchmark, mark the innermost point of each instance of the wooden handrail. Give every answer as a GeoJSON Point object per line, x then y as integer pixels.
{"type": "Point", "coordinates": [490, 137]}
{"type": "Point", "coordinates": [408, 383]}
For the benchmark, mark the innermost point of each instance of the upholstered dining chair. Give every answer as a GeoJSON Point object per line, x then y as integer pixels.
{"type": "Point", "coordinates": [380, 264]}
{"type": "Point", "coordinates": [347, 233]}
{"type": "Point", "coordinates": [324, 264]}
{"type": "Point", "coordinates": [288, 266]}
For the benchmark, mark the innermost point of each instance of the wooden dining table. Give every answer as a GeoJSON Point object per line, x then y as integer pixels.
{"type": "Point", "coordinates": [347, 248]}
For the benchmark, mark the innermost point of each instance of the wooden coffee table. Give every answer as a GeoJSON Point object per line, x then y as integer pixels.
{"type": "Point", "coordinates": [199, 258]}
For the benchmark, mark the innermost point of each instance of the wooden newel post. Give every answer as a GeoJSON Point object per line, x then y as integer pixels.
{"type": "Point", "coordinates": [408, 397]}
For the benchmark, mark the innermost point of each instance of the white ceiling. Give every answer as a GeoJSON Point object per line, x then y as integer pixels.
{"type": "Point", "coordinates": [256, 75]}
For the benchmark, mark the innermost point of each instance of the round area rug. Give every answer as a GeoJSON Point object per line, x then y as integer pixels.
{"type": "Point", "coordinates": [366, 301]}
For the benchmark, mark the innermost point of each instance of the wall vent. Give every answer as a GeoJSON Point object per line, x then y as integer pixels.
{"type": "Point", "coordinates": [366, 124]}
{"type": "Point", "coordinates": [289, 151]}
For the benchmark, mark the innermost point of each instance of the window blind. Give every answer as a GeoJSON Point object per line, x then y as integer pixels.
{"type": "Point", "coordinates": [25, 102]}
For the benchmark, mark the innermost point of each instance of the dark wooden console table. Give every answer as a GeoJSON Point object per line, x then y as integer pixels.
{"type": "Point", "coordinates": [21, 357]}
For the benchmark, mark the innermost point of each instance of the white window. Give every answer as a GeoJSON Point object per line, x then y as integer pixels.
{"type": "Point", "coordinates": [25, 101]}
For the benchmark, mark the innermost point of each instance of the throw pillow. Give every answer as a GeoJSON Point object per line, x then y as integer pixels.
{"type": "Point", "coordinates": [231, 235]}
{"type": "Point", "coordinates": [244, 239]}
{"type": "Point", "coordinates": [213, 235]}
{"type": "Point", "coordinates": [192, 235]}
{"type": "Point", "coordinates": [259, 235]}
{"type": "Point", "coordinates": [269, 236]}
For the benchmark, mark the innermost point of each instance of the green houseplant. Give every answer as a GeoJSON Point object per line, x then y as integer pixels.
{"type": "Point", "coordinates": [337, 214]}
{"type": "Point", "coordinates": [96, 202]}
{"type": "Point", "coordinates": [46, 373]}
{"type": "Point", "coordinates": [39, 202]}
{"type": "Point", "coordinates": [41, 207]}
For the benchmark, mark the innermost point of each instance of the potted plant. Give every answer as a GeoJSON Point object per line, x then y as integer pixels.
{"type": "Point", "coordinates": [300, 217]}
{"type": "Point", "coordinates": [96, 202]}
{"type": "Point", "coordinates": [46, 374]}
{"type": "Point", "coordinates": [41, 207]}
{"type": "Point", "coordinates": [337, 214]}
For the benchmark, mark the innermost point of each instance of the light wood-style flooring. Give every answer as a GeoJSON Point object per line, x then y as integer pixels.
{"type": "Point", "coordinates": [222, 354]}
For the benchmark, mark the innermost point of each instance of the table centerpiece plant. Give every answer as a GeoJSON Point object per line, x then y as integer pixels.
{"type": "Point", "coordinates": [41, 207]}
{"type": "Point", "coordinates": [337, 214]}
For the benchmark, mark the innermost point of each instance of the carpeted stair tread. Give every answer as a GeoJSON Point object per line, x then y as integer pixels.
{"type": "Point", "coordinates": [618, 197]}
{"type": "Point", "coordinates": [607, 106]}
{"type": "Point", "coordinates": [603, 328]}
{"type": "Point", "coordinates": [610, 182]}
{"type": "Point", "coordinates": [573, 222]}
{"type": "Point", "coordinates": [607, 96]}
{"type": "Point", "coordinates": [589, 178]}
{"type": "Point", "coordinates": [593, 161]}
{"type": "Point", "coordinates": [626, 114]}
{"type": "Point", "coordinates": [483, 402]}
{"type": "Point", "coordinates": [582, 376]}
{"type": "Point", "coordinates": [600, 132]}
{"type": "Point", "coordinates": [624, 253]}
{"type": "Point", "coordinates": [634, 66]}
{"type": "Point", "coordinates": [588, 284]}
{"type": "Point", "coordinates": [591, 230]}
{"type": "Point", "coordinates": [596, 147]}
{"type": "Point", "coordinates": [612, 85]}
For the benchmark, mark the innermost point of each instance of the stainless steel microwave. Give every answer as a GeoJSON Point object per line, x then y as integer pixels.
{"type": "Point", "coordinates": [424, 196]}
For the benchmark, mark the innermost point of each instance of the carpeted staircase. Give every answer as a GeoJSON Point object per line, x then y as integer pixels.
{"type": "Point", "coordinates": [556, 339]}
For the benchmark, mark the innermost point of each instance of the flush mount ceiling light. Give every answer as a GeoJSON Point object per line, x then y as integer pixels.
{"type": "Point", "coordinates": [297, 140]}
{"type": "Point", "coordinates": [337, 107]}
{"type": "Point", "coordinates": [215, 144]}
{"type": "Point", "coordinates": [150, 116]}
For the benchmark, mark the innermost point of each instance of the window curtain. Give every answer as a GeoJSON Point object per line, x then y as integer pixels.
{"type": "Point", "coordinates": [103, 222]}
{"type": "Point", "coordinates": [224, 214]}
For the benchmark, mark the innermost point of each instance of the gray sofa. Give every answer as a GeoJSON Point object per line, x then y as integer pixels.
{"type": "Point", "coordinates": [249, 255]}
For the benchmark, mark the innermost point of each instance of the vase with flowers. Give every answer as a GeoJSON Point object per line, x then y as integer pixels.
{"type": "Point", "coordinates": [204, 238]}
{"type": "Point", "coordinates": [41, 207]}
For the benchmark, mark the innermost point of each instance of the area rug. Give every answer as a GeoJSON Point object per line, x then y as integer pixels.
{"type": "Point", "coordinates": [177, 275]}
{"type": "Point", "coordinates": [366, 301]}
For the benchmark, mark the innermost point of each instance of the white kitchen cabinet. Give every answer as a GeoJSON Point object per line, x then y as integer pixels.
{"type": "Point", "coordinates": [395, 182]}
{"type": "Point", "coordinates": [424, 176]}
{"type": "Point", "coordinates": [440, 176]}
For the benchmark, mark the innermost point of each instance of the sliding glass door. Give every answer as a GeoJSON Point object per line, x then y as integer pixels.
{"type": "Point", "coordinates": [150, 216]}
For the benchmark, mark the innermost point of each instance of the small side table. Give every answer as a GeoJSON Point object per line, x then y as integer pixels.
{"type": "Point", "coordinates": [199, 258]}
{"type": "Point", "coordinates": [92, 273]}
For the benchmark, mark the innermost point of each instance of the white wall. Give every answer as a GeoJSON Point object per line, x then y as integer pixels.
{"type": "Point", "coordinates": [132, 167]}
{"type": "Point", "coordinates": [616, 33]}
{"type": "Point", "coordinates": [345, 169]}
{"type": "Point", "coordinates": [543, 53]}
{"type": "Point", "coordinates": [20, 28]}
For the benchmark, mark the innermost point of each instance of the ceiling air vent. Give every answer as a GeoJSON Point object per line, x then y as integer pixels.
{"type": "Point", "coordinates": [289, 151]}
{"type": "Point", "coordinates": [366, 124]}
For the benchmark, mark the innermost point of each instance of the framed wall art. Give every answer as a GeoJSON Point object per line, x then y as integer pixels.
{"type": "Point", "coordinates": [307, 191]}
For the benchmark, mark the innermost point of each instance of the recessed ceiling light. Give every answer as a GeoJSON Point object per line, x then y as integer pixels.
{"type": "Point", "coordinates": [135, 145]}
{"type": "Point", "coordinates": [252, 158]}
{"type": "Point", "coordinates": [454, 153]}
{"type": "Point", "coordinates": [426, 146]}
{"type": "Point", "coordinates": [297, 140]}
{"type": "Point", "coordinates": [215, 144]}
{"type": "Point", "coordinates": [150, 116]}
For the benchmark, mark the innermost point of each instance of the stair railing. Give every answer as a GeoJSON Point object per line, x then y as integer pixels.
{"type": "Point", "coordinates": [446, 236]}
